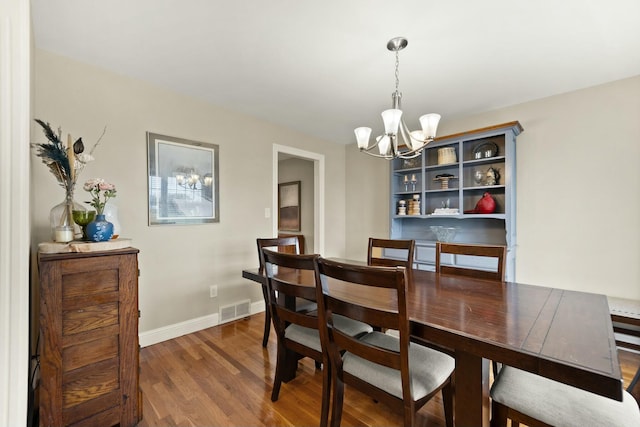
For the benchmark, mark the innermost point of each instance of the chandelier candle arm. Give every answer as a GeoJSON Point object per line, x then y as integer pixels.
{"type": "Point", "coordinates": [387, 144]}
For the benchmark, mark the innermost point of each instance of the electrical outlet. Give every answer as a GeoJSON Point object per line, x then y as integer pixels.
{"type": "Point", "coordinates": [213, 291]}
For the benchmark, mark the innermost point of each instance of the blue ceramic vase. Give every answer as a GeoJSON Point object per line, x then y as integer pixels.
{"type": "Point", "coordinates": [99, 230]}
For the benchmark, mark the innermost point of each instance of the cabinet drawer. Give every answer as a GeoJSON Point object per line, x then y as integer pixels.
{"type": "Point", "coordinates": [476, 262]}
{"type": "Point", "coordinates": [426, 260]}
{"type": "Point", "coordinates": [395, 253]}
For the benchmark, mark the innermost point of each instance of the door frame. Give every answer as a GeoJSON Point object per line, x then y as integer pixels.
{"type": "Point", "coordinates": [318, 191]}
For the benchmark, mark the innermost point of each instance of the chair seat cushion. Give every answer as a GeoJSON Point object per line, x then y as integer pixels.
{"type": "Point", "coordinates": [559, 404]}
{"type": "Point", "coordinates": [305, 305]}
{"type": "Point", "coordinates": [429, 368]}
{"type": "Point", "coordinates": [311, 337]}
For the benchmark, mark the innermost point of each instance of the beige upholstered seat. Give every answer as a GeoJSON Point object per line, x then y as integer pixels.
{"type": "Point", "coordinates": [538, 401]}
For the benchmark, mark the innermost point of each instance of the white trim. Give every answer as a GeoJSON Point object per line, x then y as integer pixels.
{"type": "Point", "coordinates": [318, 193]}
{"type": "Point", "coordinates": [15, 112]}
{"type": "Point", "coordinates": [176, 330]}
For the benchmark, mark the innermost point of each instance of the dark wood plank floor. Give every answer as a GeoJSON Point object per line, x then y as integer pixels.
{"type": "Point", "coordinates": [222, 376]}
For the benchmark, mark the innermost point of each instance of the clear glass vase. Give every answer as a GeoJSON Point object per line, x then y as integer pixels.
{"type": "Point", "coordinates": [63, 228]}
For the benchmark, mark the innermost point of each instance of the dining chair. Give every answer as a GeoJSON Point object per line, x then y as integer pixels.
{"type": "Point", "coordinates": [391, 252]}
{"type": "Point", "coordinates": [287, 244]}
{"type": "Point", "coordinates": [396, 371]}
{"type": "Point", "coordinates": [528, 398]}
{"type": "Point", "coordinates": [297, 332]}
{"type": "Point", "coordinates": [625, 315]}
{"type": "Point", "coordinates": [497, 252]}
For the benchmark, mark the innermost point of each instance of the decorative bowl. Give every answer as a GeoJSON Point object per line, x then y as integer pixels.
{"type": "Point", "coordinates": [444, 234]}
{"type": "Point", "coordinates": [83, 218]}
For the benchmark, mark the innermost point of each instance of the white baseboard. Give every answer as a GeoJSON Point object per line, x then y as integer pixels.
{"type": "Point", "coordinates": [176, 330]}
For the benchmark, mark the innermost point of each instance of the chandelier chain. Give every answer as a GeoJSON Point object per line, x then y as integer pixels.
{"type": "Point", "coordinates": [397, 70]}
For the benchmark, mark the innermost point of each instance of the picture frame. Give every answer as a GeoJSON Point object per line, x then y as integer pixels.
{"type": "Point", "coordinates": [289, 206]}
{"type": "Point", "coordinates": [183, 183]}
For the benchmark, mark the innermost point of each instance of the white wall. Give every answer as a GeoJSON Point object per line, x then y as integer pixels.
{"type": "Point", "coordinates": [578, 188]}
{"type": "Point", "coordinates": [178, 263]}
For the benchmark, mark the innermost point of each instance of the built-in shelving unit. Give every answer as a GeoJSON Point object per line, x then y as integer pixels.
{"type": "Point", "coordinates": [453, 172]}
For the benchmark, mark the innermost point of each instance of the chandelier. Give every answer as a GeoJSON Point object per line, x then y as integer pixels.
{"type": "Point", "coordinates": [191, 179]}
{"type": "Point", "coordinates": [394, 125]}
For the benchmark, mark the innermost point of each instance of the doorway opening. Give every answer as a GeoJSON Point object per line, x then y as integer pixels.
{"type": "Point", "coordinates": [288, 153]}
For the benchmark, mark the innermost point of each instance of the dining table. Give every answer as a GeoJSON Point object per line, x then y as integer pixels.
{"type": "Point", "coordinates": [563, 335]}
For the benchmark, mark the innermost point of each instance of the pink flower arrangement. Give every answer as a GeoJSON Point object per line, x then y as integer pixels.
{"type": "Point", "coordinates": [101, 191]}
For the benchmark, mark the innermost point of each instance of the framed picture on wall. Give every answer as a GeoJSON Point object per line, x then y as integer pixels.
{"type": "Point", "coordinates": [289, 206]}
{"type": "Point", "coordinates": [183, 181]}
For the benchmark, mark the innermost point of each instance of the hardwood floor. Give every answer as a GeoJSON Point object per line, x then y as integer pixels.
{"type": "Point", "coordinates": [222, 376]}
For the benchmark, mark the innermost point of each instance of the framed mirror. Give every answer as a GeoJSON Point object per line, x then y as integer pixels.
{"type": "Point", "coordinates": [182, 181]}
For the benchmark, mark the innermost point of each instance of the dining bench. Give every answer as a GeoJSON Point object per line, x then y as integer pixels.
{"type": "Point", "coordinates": [625, 315]}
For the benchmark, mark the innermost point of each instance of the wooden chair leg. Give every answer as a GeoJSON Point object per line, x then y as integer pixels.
{"type": "Point", "coordinates": [409, 415]}
{"type": "Point", "coordinates": [447, 402]}
{"type": "Point", "coordinates": [326, 395]}
{"type": "Point", "coordinates": [318, 365]}
{"type": "Point", "coordinates": [267, 318]}
{"type": "Point", "coordinates": [499, 415]}
{"type": "Point", "coordinates": [281, 361]}
{"type": "Point", "coordinates": [634, 381]}
{"type": "Point", "coordinates": [267, 327]}
{"type": "Point", "coordinates": [338, 394]}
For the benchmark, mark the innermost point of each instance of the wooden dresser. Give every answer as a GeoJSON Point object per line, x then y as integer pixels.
{"type": "Point", "coordinates": [89, 339]}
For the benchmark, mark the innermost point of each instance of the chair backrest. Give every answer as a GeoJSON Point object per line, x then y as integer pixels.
{"type": "Point", "coordinates": [492, 251]}
{"type": "Point", "coordinates": [289, 276]}
{"type": "Point", "coordinates": [301, 243]}
{"type": "Point", "coordinates": [288, 244]}
{"type": "Point", "coordinates": [391, 252]}
{"type": "Point", "coordinates": [345, 289]}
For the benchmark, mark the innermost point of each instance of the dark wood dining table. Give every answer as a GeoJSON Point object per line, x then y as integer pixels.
{"type": "Point", "coordinates": [559, 334]}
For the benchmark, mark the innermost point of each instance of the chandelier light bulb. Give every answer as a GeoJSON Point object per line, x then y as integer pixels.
{"type": "Point", "coordinates": [362, 136]}
{"type": "Point", "coordinates": [384, 145]}
{"type": "Point", "coordinates": [391, 120]}
{"type": "Point", "coordinates": [429, 123]}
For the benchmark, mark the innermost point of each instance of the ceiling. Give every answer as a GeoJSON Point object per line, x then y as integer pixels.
{"type": "Point", "coordinates": [322, 67]}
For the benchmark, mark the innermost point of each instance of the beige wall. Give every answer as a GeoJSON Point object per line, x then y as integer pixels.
{"type": "Point", "coordinates": [577, 183]}
{"type": "Point", "coordinates": [177, 263]}
{"type": "Point", "coordinates": [367, 201]}
{"type": "Point", "coordinates": [578, 188]}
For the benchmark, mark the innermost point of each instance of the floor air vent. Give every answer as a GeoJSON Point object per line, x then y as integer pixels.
{"type": "Point", "coordinates": [235, 311]}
